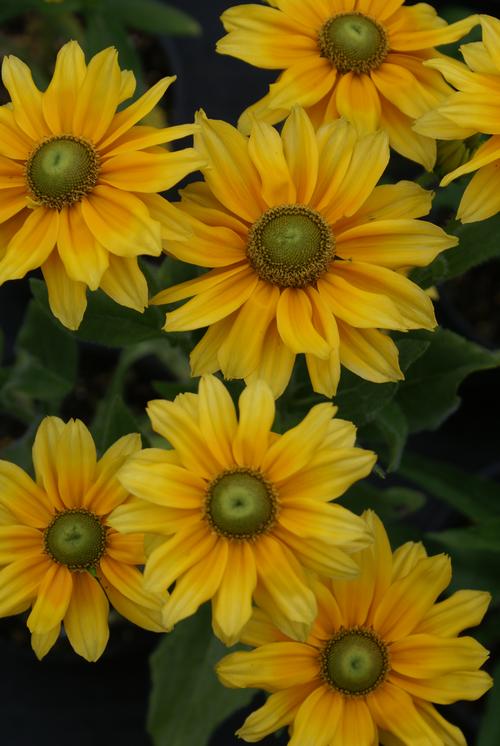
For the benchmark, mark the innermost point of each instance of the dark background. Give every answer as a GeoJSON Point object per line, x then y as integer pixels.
{"type": "Point", "coordinates": [65, 700]}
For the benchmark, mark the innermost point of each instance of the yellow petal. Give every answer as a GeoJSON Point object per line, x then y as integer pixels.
{"type": "Point", "coordinates": [67, 298]}
{"type": "Point", "coordinates": [408, 41]}
{"type": "Point", "coordinates": [281, 575]}
{"type": "Point", "coordinates": [22, 497]}
{"type": "Point", "coordinates": [231, 174]}
{"type": "Point", "coordinates": [214, 304]}
{"type": "Point", "coordinates": [322, 558]}
{"type": "Point", "coordinates": [266, 151]}
{"type": "Point", "coordinates": [129, 116]}
{"type": "Point", "coordinates": [14, 142]}
{"type": "Point", "coordinates": [149, 619]}
{"type": "Point", "coordinates": [318, 718]}
{"type": "Point", "coordinates": [404, 139]}
{"type": "Point", "coordinates": [53, 597]}
{"type": "Point", "coordinates": [294, 320]}
{"type": "Point", "coordinates": [84, 259]}
{"type": "Point", "coordinates": [149, 172]}
{"type": "Point", "coordinates": [75, 463]}
{"type": "Point", "coordinates": [369, 353]}
{"type": "Point", "coordinates": [45, 448]}
{"type": "Point", "coordinates": [106, 492]}
{"type": "Point", "coordinates": [393, 710]}
{"type": "Point", "coordinates": [443, 690]}
{"type": "Point", "coordinates": [19, 582]}
{"type": "Point", "coordinates": [409, 599]}
{"type": "Point", "coordinates": [279, 710]}
{"type": "Point", "coordinates": [25, 96]}
{"type": "Point", "coordinates": [174, 557]}
{"type": "Point", "coordinates": [124, 282]}
{"type": "Point", "coordinates": [60, 98]}
{"type": "Point", "coordinates": [217, 417]}
{"type": "Point", "coordinates": [18, 541]}
{"type": "Point", "coordinates": [138, 515]}
{"type": "Point", "coordinates": [121, 222]}
{"type": "Point", "coordinates": [86, 621]}
{"type": "Point", "coordinates": [142, 136]}
{"type": "Point", "coordinates": [232, 603]}
{"type": "Point", "coordinates": [333, 524]}
{"type": "Point", "coordinates": [450, 734]}
{"type": "Point", "coordinates": [424, 656]}
{"type": "Point", "coordinates": [356, 727]}
{"type": "Point", "coordinates": [275, 364]}
{"type": "Point", "coordinates": [127, 580]}
{"type": "Point", "coordinates": [256, 408]}
{"type": "Point", "coordinates": [450, 617]}
{"type": "Point", "coordinates": [481, 199]}
{"type": "Point", "coordinates": [358, 101]}
{"type": "Point", "coordinates": [301, 153]}
{"type": "Point", "coordinates": [278, 665]}
{"type": "Point", "coordinates": [197, 585]}
{"type": "Point", "coordinates": [292, 451]}
{"type": "Point", "coordinates": [184, 434]}
{"type": "Point", "coordinates": [162, 483]}
{"type": "Point", "coordinates": [31, 245]}
{"type": "Point", "coordinates": [42, 643]}
{"type": "Point", "coordinates": [240, 353]}
{"type": "Point", "coordinates": [393, 243]}
{"type": "Point", "coordinates": [98, 96]}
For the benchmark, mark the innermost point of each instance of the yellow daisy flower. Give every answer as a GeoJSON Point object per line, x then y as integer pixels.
{"type": "Point", "coordinates": [246, 510]}
{"type": "Point", "coordinates": [78, 180]}
{"type": "Point", "coordinates": [473, 108]}
{"type": "Point", "coordinates": [381, 651]}
{"type": "Point", "coordinates": [304, 248]}
{"type": "Point", "coordinates": [359, 59]}
{"type": "Point", "coordinates": [59, 552]}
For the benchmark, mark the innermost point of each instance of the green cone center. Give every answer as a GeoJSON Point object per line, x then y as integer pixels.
{"type": "Point", "coordinates": [353, 43]}
{"type": "Point", "coordinates": [241, 504]}
{"type": "Point", "coordinates": [290, 246]}
{"type": "Point", "coordinates": [76, 538]}
{"type": "Point", "coordinates": [355, 662]}
{"type": "Point", "coordinates": [62, 170]}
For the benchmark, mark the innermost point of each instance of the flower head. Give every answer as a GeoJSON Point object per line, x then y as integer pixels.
{"type": "Point", "coordinates": [79, 180]}
{"type": "Point", "coordinates": [472, 109]}
{"type": "Point", "coordinates": [360, 59]}
{"type": "Point", "coordinates": [304, 248]}
{"type": "Point", "coordinates": [59, 553]}
{"type": "Point", "coordinates": [381, 651]}
{"type": "Point", "coordinates": [247, 511]}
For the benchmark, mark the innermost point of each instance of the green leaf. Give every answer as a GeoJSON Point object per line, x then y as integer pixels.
{"type": "Point", "coordinates": [479, 243]}
{"type": "Point", "coordinates": [46, 360]}
{"type": "Point", "coordinates": [113, 419]}
{"type": "Point", "coordinates": [392, 425]}
{"type": "Point", "coordinates": [108, 323]}
{"type": "Point", "coordinates": [154, 17]}
{"type": "Point", "coordinates": [187, 701]}
{"type": "Point", "coordinates": [475, 497]}
{"type": "Point", "coordinates": [359, 400]}
{"type": "Point", "coordinates": [482, 538]}
{"type": "Point", "coordinates": [489, 731]}
{"type": "Point", "coordinates": [428, 395]}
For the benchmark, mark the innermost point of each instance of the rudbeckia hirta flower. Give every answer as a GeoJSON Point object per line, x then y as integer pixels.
{"type": "Point", "coordinates": [380, 653]}
{"type": "Point", "coordinates": [78, 180]}
{"type": "Point", "coordinates": [60, 555]}
{"type": "Point", "coordinates": [473, 108]}
{"type": "Point", "coordinates": [360, 59]}
{"type": "Point", "coordinates": [304, 248]}
{"type": "Point", "coordinates": [247, 511]}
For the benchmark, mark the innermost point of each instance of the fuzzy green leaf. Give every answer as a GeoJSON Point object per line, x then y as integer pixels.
{"type": "Point", "coordinates": [187, 701]}
{"type": "Point", "coordinates": [428, 395]}
{"type": "Point", "coordinates": [154, 17]}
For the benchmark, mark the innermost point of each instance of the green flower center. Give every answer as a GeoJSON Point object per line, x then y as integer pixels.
{"type": "Point", "coordinates": [355, 661]}
{"type": "Point", "coordinates": [353, 43]}
{"type": "Point", "coordinates": [75, 538]}
{"type": "Point", "coordinates": [290, 246]}
{"type": "Point", "coordinates": [241, 504]}
{"type": "Point", "coordinates": [62, 170]}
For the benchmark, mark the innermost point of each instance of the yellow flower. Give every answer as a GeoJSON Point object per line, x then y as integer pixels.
{"type": "Point", "coordinates": [246, 510]}
{"type": "Point", "coordinates": [61, 555]}
{"type": "Point", "coordinates": [304, 248]}
{"type": "Point", "coordinates": [360, 59]}
{"type": "Point", "coordinates": [78, 180]}
{"type": "Point", "coordinates": [473, 108]}
{"type": "Point", "coordinates": [380, 653]}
